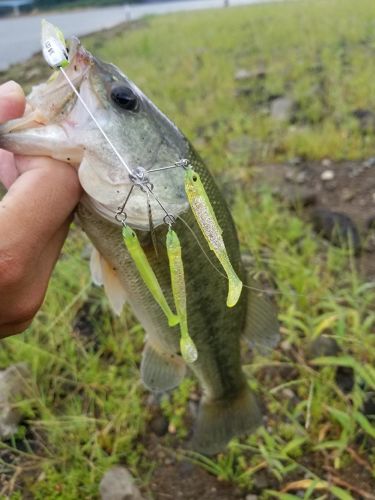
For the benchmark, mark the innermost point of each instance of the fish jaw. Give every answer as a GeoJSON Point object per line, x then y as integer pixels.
{"type": "Point", "coordinates": [44, 128]}
{"type": "Point", "coordinates": [50, 140]}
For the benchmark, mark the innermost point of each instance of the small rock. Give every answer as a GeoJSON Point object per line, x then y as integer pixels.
{"type": "Point", "coordinates": [301, 177]}
{"type": "Point", "coordinates": [243, 144]}
{"type": "Point", "coordinates": [154, 399]}
{"type": "Point", "coordinates": [12, 386]}
{"type": "Point", "coordinates": [251, 497]}
{"type": "Point", "coordinates": [244, 92]}
{"type": "Point", "coordinates": [297, 176]}
{"type": "Point", "coordinates": [282, 108]}
{"type": "Point", "coordinates": [288, 393]}
{"type": "Point", "coordinates": [172, 429]}
{"type": "Point", "coordinates": [336, 227]}
{"type": "Point", "coordinates": [185, 467]}
{"type": "Point", "coordinates": [290, 174]}
{"type": "Point", "coordinates": [345, 378]}
{"type": "Point", "coordinates": [118, 484]}
{"type": "Point", "coordinates": [159, 425]}
{"type": "Point", "coordinates": [370, 162]}
{"type": "Point", "coordinates": [285, 345]}
{"type": "Point", "coordinates": [370, 243]}
{"type": "Point", "coordinates": [347, 194]}
{"type": "Point", "coordinates": [295, 161]}
{"type": "Point", "coordinates": [250, 74]}
{"type": "Point", "coordinates": [330, 185]}
{"type": "Point", "coordinates": [369, 404]}
{"type": "Point", "coordinates": [299, 197]}
{"type": "Point", "coordinates": [326, 163]}
{"type": "Point", "coordinates": [327, 175]}
{"type": "Point", "coordinates": [356, 171]}
{"type": "Point", "coordinates": [366, 119]}
{"type": "Point", "coordinates": [370, 222]}
{"type": "Point", "coordinates": [261, 480]}
{"type": "Point", "coordinates": [322, 346]}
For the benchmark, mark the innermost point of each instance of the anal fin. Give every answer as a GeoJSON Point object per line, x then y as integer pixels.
{"type": "Point", "coordinates": [161, 371]}
{"type": "Point", "coordinates": [262, 327]}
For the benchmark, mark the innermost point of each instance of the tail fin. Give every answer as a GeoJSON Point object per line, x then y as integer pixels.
{"type": "Point", "coordinates": [220, 420]}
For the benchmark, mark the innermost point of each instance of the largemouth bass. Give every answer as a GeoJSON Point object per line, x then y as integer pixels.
{"type": "Point", "coordinates": [57, 125]}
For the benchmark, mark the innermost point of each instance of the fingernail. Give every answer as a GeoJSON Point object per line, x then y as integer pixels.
{"type": "Point", "coordinates": [10, 88]}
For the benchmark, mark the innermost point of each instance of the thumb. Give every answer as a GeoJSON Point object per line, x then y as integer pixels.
{"type": "Point", "coordinates": [12, 101]}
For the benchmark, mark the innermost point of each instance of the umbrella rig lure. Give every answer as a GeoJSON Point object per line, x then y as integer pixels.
{"type": "Point", "coordinates": [56, 56]}
{"type": "Point", "coordinates": [207, 221]}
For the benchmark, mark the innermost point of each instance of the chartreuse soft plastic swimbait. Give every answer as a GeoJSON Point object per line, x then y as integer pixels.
{"type": "Point", "coordinates": [145, 270]}
{"type": "Point", "coordinates": [206, 219]}
{"type": "Point", "coordinates": [188, 350]}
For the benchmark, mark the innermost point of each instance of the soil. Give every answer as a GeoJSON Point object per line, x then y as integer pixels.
{"type": "Point", "coordinates": [349, 189]}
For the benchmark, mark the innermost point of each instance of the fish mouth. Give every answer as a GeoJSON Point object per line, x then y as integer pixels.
{"type": "Point", "coordinates": [46, 101]}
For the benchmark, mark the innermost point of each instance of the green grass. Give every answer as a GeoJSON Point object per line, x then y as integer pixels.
{"type": "Point", "coordinates": [85, 406]}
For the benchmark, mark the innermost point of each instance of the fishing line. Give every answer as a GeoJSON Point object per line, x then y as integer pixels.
{"type": "Point", "coordinates": [95, 120]}
{"type": "Point", "coordinates": [55, 53]}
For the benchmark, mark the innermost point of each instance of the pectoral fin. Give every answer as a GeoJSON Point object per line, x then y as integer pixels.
{"type": "Point", "coordinates": [103, 274]}
{"type": "Point", "coordinates": [262, 327]}
{"type": "Point", "coordinates": [96, 267]}
{"type": "Point", "coordinates": [161, 371]}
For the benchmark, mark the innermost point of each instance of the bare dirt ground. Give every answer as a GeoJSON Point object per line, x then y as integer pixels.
{"type": "Point", "coordinates": [327, 188]}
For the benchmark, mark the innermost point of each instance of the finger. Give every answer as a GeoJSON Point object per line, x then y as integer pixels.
{"type": "Point", "coordinates": [8, 170]}
{"type": "Point", "coordinates": [13, 328]}
{"type": "Point", "coordinates": [30, 294]}
{"type": "Point", "coordinates": [39, 201]}
{"type": "Point", "coordinates": [12, 101]}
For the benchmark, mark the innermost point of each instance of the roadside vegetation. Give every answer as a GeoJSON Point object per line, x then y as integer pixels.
{"type": "Point", "coordinates": [86, 408]}
{"type": "Point", "coordinates": [73, 4]}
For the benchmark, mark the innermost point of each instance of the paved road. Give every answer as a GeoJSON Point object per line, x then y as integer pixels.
{"type": "Point", "coordinates": [19, 36]}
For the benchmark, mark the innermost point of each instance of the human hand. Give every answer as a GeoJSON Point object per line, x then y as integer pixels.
{"type": "Point", "coordinates": [35, 216]}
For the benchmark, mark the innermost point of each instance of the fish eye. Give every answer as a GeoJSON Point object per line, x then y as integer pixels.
{"type": "Point", "coordinates": [125, 98]}
{"type": "Point", "coordinates": [195, 178]}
